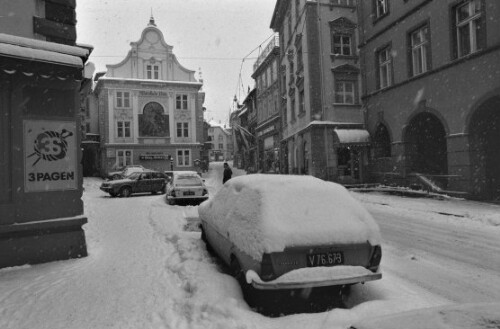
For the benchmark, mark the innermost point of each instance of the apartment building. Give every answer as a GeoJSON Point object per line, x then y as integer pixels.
{"type": "Point", "coordinates": [322, 118]}
{"type": "Point", "coordinates": [431, 88]}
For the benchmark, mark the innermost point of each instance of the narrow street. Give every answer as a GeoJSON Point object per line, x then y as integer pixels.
{"type": "Point", "coordinates": [148, 268]}
{"type": "Point", "coordinates": [438, 249]}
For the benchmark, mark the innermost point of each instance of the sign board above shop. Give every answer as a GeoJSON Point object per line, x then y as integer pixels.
{"type": "Point", "coordinates": [153, 93]}
{"type": "Point", "coordinates": [153, 157]}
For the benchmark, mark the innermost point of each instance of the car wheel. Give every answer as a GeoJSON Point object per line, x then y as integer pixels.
{"type": "Point", "coordinates": [170, 201]}
{"type": "Point", "coordinates": [249, 292]}
{"type": "Point", "coordinates": [125, 192]}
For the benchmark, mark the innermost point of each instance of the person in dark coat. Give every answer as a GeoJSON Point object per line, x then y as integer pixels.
{"type": "Point", "coordinates": [227, 173]}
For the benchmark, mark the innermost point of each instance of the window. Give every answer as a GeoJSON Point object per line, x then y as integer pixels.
{"type": "Point", "coordinates": [300, 59]}
{"type": "Point", "coordinates": [221, 146]}
{"type": "Point", "coordinates": [384, 61]}
{"type": "Point", "coordinates": [182, 129]}
{"type": "Point", "coordinates": [181, 102]}
{"type": "Point", "coordinates": [283, 79]}
{"type": "Point", "coordinates": [344, 92]}
{"type": "Point", "coordinates": [123, 99]}
{"type": "Point", "coordinates": [153, 72]}
{"type": "Point", "coordinates": [292, 107]}
{"type": "Point", "coordinates": [341, 44]}
{"type": "Point", "coordinates": [289, 27]}
{"type": "Point", "coordinates": [301, 102]}
{"type": "Point", "coordinates": [123, 129]}
{"type": "Point", "coordinates": [420, 50]}
{"type": "Point", "coordinates": [381, 8]}
{"type": "Point", "coordinates": [275, 70]}
{"type": "Point", "coordinates": [470, 29]}
{"type": "Point", "coordinates": [183, 158]}
{"type": "Point", "coordinates": [123, 158]}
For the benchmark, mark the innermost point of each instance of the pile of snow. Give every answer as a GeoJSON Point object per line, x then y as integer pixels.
{"type": "Point", "coordinates": [266, 213]}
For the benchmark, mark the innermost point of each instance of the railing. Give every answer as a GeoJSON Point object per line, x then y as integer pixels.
{"type": "Point", "coordinates": [269, 48]}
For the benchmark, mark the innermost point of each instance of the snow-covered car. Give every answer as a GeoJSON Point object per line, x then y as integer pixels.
{"type": "Point", "coordinates": [114, 175]}
{"type": "Point", "coordinates": [186, 186]}
{"type": "Point", "coordinates": [461, 316]}
{"type": "Point", "coordinates": [291, 232]}
{"type": "Point", "coordinates": [137, 182]}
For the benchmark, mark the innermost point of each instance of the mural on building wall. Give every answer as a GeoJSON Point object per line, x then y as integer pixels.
{"type": "Point", "coordinates": [153, 122]}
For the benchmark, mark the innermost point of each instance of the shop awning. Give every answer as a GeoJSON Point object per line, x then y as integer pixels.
{"type": "Point", "coordinates": [359, 137]}
{"type": "Point", "coordinates": [28, 56]}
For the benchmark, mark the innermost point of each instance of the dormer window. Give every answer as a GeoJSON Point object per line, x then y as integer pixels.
{"type": "Point", "coordinates": [153, 71]}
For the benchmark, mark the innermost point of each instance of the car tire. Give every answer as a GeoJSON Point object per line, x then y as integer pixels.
{"type": "Point", "coordinates": [249, 292]}
{"type": "Point", "coordinates": [125, 192]}
{"type": "Point", "coordinates": [170, 202]}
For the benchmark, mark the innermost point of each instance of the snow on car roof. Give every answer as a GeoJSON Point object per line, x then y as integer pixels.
{"type": "Point", "coordinates": [266, 213]}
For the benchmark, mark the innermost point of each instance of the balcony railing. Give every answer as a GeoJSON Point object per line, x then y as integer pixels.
{"type": "Point", "coordinates": [275, 42]}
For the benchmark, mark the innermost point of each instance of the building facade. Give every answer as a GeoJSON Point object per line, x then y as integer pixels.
{"type": "Point", "coordinates": [431, 73]}
{"type": "Point", "coordinates": [323, 132]}
{"type": "Point", "coordinates": [221, 143]}
{"type": "Point", "coordinates": [243, 124]}
{"type": "Point", "coordinates": [41, 74]}
{"type": "Point", "coordinates": [267, 131]}
{"type": "Point", "coordinates": [150, 109]}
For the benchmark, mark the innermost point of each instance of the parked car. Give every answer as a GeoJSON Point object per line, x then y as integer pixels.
{"type": "Point", "coordinates": [147, 181]}
{"type": "Point", "coordinates": [460, 316]}
{"type": "Point", "coordinates": [127, 170]}
{"type": "Point", "coordinates": [281, 232]}
{"type": "Point", "coordinates": [186, 186]}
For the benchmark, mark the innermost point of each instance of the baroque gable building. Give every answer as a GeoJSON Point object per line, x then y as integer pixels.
{"type": "Point", "coordinates": [150, 109]}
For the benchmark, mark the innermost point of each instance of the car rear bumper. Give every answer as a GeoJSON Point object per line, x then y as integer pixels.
{"type": "Point", "coordinates": [311, 277]}
{"type": "Point", "coordinates": [190, 197]}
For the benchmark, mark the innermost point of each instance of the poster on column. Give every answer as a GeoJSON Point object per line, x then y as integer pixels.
{"type": "Point", "coordinates": [50, 156]}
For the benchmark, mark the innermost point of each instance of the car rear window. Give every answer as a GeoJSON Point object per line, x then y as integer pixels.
{"type": "Point", "coordinates": [188, 181]}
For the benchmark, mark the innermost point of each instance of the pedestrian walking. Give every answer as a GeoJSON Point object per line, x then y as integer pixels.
{"type": "Point", "coordinates": [227, 173]}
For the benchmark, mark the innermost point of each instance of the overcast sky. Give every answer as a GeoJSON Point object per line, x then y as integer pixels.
{"type": "Point", "coordinates": [214, 35]}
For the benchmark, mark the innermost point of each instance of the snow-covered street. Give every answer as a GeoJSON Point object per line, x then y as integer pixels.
{"type": "Point", "coordinates": [148, 268]}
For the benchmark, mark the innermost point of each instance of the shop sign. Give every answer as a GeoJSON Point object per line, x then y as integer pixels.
{"type": "Point", "coordinates": [265, 131]}
{"type": "Point", "coordinates": [50, 156]}
{"type": "Point", "coordinates": [152, 93]}
{"type": "Point", "coordinates": [153, 156]}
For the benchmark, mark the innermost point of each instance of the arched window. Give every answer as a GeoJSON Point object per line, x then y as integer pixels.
{"type": "Point", "coordinates": [153, 122]}
{"type": "Point", "coordinates": [382, 142]}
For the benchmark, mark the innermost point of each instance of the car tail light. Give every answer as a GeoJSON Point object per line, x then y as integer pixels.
{"type": "Point", "coordinates": [266, 268]}
{"type": "Point", "coordinates": [375, 259]}
{"type": "Point", "coordinates": [205, 192]}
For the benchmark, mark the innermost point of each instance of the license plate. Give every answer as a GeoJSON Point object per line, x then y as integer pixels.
{"type": "Point", "coordinates": [188, 193]}
{"type": "Point", "coordinates": [325, 259]}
